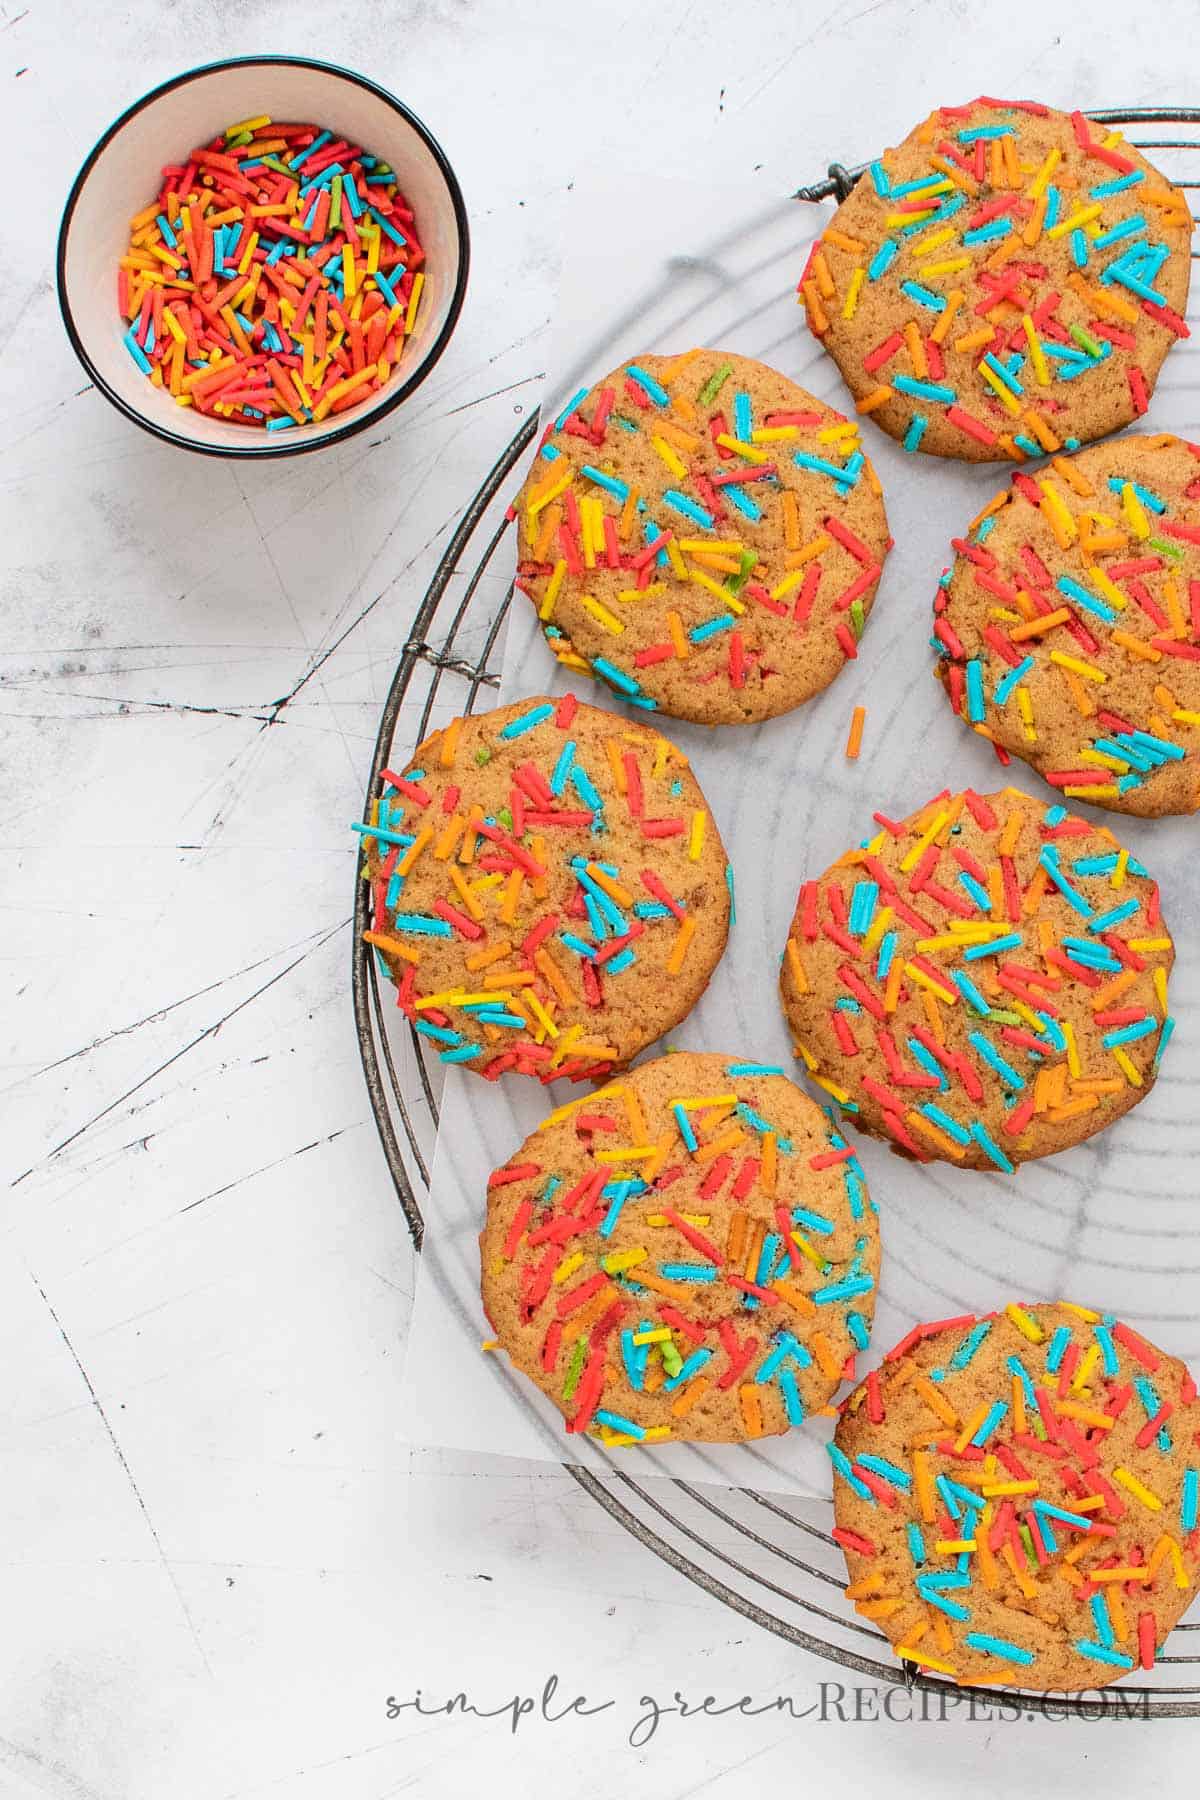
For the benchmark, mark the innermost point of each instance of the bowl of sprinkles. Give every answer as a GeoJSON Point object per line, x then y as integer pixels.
{"type": "Point", "coordinates": [261, 256]}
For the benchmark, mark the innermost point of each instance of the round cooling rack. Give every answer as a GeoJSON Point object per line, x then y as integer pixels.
{"type": "Point", "coordinates": [772, 1561]}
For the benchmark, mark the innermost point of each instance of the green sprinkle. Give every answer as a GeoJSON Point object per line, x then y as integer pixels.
{"type": "Point", "coordinates": [857, 619]}
{"type": "Point", "coordinates": [735, 583]}
{"type": "Point", "coordinates": [1085, 340]}
{"type": "Point", "coordinates": [482, 756]}
{"type": "Point", "coordinates": [575, 1368]}
{"type": "Point", "coordinates": [714, 384]}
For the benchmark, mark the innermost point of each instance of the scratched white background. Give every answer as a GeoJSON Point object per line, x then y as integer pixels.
{"type": "Point", "coordinates": [215, 1558]}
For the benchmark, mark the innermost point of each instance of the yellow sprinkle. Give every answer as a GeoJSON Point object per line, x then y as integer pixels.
{"type": "Point", "coordinates": [543, 496]}
{"type": "Point", "coordinates": [1029, 1328]}
{"type": "Point", "coordinates": [567, 1268]}
{"type": "Point", "coordinates": [910, 1653]}
{"type": "Point", "coordinates": [609, 620]}
{"type": "Point", "coordinates": [1036, 356]}
{"type": "Point", "coordinates": [623, 1259]}
{"type": "Point", "coordinates": [696, 835]}
{"type": "Point", "coordinates": [1074, 220]}
{"type": "Point", "coordinates": [878, 926]}
{"type": "Point", "coordinates": [673, 462]}
{"type": "Point", "coordinates": [1078, 666]}
{"type": "Point", "coordinates": [1041, 180]}
{"type": "Point", "coordinates": [747, 450]}
{"type": "Point", "coordinates": [1062, 520]}
{"type": "Point", "coordinates": [951, 266]}
{"type": "Point", "coordinates": [1133, 1486]}
{"type": "Point", "coordinates": [926, 981]}
{"type": "Point", "coordinates": [414, 300]}
{"type": "Point", "coordinates": [998, 387]}
{"type": "Point", "coordinates": [1139, 524]}
{"type": "Point", "coordinates": [851, 301]}
{"type": "Point", "coordinates": [913, 855]}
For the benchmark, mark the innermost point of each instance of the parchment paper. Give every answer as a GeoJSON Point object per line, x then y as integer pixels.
{"type": "Point", "coordinates": [656, 266]}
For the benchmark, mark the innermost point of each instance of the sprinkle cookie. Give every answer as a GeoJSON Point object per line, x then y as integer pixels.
{"type": "Point", "coordinates": [984, 983]}
{"type": "Point", "coordinates": [1004, 283]}
{"type": "Point", "coordinates": [549, 891]}
{"type": "Point", "coordinates": [689, 1253]}
{"type": "Point", "coordinates": [1017, 1497]}
{"type": "Point", "coordinates": [704, 536]}
{"type": "Point", "coordinates": [1069, 627]}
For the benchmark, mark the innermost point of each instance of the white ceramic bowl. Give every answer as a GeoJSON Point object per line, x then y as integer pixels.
{"type": "Point", "coordinates": [122, 174]}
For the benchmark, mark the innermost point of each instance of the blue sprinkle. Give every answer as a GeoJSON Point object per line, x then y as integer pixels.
{"type": "Point", "coordinates": [994, 1646]}
{"type": "Point", "coordinates": [923, 296]}
{"type": "Point", "coordinates": [609, 482]}
{"type": "Point", "coordinates": [569, 408]}
{"type": "Point", "coordinates": [976, 705]}
{"type": "Point", "coordinates": [562, 767]}
{"type": "Point", "coordinates": [841, 1463]}
{"type": "Point", "coordinates": [655, 389]}
{"type": "Point", "coordinates": [925, 390]}
{"type": "Point", "coordinates": [615, 1422]}
{"type": "Point", "coordinates": [970, 1344]}
{"type": "Point", "coordinates": [526, 722]}
{"type": "Point", "coordinates": [977, 891]}
{"type": "Point", "coordinates": [700, 1272]}
{"type": "Point", "coordinates": [916, 431]}
{"type": "Point", "coordinates": [945, 1123]}
{"type": "Point", "coordinates": [681, 504]}
{"type": "Point", "coordinates": [1099, 1653]}
{"type": "Point", "coordinates": [991, 1148]}
{"type": "Point", "coordinates": [692, 1366]}
{"type": "Point", "coordinates": [994, 947]}
{"type": "Point", "coordinates": [793, 1405]}
{"type": "Point", "coordinates": [616, 677]}
{"type": "Point", "coordinates": [1082, 597]}
{"type": "Point", "coordinates": [699, 634]}
{"type": "Point", "coordinates": [1129, 1034]}
{"type": "Point", "coordinates": [898, 1477]}
{"type": "Point", "coordinates": [422, 925]}
{"type": "Point", "coordinates": [1058, 1348]}
{"type": "Point", "coordinates": [883, 258]}
{"type": "Point", "coordinates": [970, 992]}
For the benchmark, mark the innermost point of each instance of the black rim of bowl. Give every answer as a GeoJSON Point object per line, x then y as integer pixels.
{"type": "Point", "coordinates": [354, 424]}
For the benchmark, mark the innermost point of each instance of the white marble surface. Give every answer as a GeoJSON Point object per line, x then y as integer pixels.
{"type": "Point", "coordinates": [216, 1560]}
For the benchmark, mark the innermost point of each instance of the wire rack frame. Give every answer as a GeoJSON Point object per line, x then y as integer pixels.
{"type": "Point", "coordinates": [774, 1563]}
